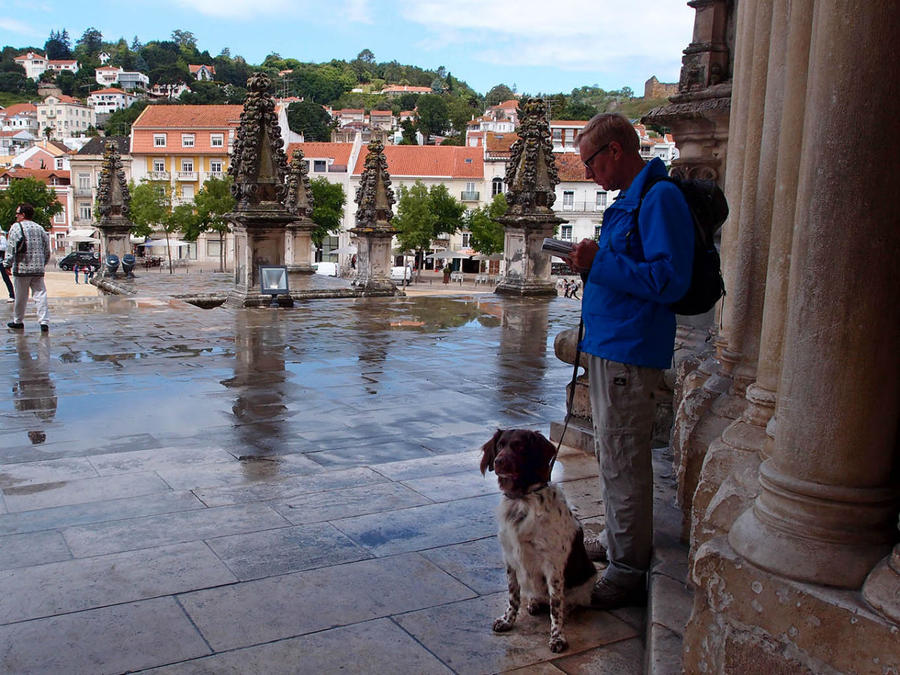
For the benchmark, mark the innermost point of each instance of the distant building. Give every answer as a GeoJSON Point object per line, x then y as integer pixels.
{"type": "Point", "coordinates": [20, 117]}
{"type": "Point", "coordinates": [110, 76]}
{"type": "Point", "coordinates": [34, 64]}
{"type": "Point", "coordinates": [58, 181]}
{"type": "Point", "coordinates": [15, 141]}
{"type": "Point", "coordinates": [59, 65]}
{"type": "Point", "coordinates": [203, 72]}
{"type": "Point", "coordinates": [653, 88]}
{"type": "Point", "coordinates": [400, 89]}
{"type": "Point", "coordinates": [105, 101]}
{"type": "Point", "coordinates": [169, 91]}
{"type": "Point", "coordinates": [64, 117]}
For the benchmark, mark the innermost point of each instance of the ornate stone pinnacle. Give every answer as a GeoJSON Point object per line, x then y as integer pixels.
{"type": "Point", "coordinates": [112, 194]}
{"type": "Point", "coordinates": [374, 198]}
{"type": "Point", "coordinates": [299, 200]}
{"type": "Point", "coordinates": [258, 162]}
{"type": "Point", "coordinates": [531, 174]}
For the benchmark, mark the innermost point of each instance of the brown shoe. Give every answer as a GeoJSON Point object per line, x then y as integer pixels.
{"type": "Point", "coordinates": [606, 595]}
{"type": "Point", "coordinates": [595, 549]}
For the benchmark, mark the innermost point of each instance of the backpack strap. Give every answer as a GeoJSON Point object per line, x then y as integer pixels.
{"type": "Point", "coordinates": [649, 183]}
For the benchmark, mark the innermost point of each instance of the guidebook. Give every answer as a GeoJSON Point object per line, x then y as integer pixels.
{"type": "Point", "coordinates": [557, 247]}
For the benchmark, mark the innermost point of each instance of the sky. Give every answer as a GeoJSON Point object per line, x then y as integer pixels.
{"type": "Point", "coordinates": [533, 46]}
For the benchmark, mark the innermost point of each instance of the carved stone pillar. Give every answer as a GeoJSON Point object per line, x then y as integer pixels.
{"type": "Point", "coordinates": [828, 503]}
{"type": "Point", "coordinates": [373, 229]}
{"type": "Point", "coordinates": [882, 587]}
{"type": "Point", "coordinates": [531, 178]}
{"type": "Point", "coordinates": [259, 169]}
{"type": "Point", "coordinates": [297, 239]}
{"type": "Point", "coordinates": [114, 200]}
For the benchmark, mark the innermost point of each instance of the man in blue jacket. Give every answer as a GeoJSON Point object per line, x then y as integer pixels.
{"type": "Point", "coordinates": [641, 263]}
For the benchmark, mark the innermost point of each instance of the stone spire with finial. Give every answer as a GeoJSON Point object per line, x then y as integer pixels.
{"type": "Point", "coordinates": [299, 199]}
{"type": "Point", "coordinates": [258, 163]}
{"type": "Point", "coordinates": [112, 194]}
{"type": "Point", "coordinates": [531, 175]}
{"type": "Point", "coordinates": [375, 198]}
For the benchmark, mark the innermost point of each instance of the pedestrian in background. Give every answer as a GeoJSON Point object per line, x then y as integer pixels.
{"type": "Point", "coordinates": [3, 272]}
{"type": "Point", "coordinates": [75, 267]}
{"type": "Point", "coordinates": [29, 253]}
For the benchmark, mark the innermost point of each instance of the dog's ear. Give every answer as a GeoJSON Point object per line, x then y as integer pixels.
{"type": "Point", "coordinates": [547, 449]}
{"type": "Point", "coordinates": [489, 452]}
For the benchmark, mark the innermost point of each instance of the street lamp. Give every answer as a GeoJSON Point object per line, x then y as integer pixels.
{"type": "Point", "coordinates": [273, 280]}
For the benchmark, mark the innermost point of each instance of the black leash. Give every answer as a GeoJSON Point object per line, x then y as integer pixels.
{"type": "Point", "coordinates": [571, 399]}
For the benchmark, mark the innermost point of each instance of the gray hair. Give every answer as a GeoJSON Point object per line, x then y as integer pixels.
{"type": "Point", "coordinates": [606, 127]}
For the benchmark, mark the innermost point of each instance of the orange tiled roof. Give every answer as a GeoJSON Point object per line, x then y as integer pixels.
{"type": "Point", "coordinates": [570, 167]}
{"type": "Point", "coordinates": [28, 55]}
{"type": "Point", "coordinates": [19, 108]}
{"type": "Point", "coordinates": [106, 68]}
{"type": "Point", "coordinates": [499, 142]}
{"type": "Point", "coordinates": [60, 62]}
{"type": "Point", "coordinates": [43, 175]}
{"type": "Point", "coordinates": [108, 90]}
{"type": "Point", "coordinates": [201, 120]}
{"type": "Point", "coordinates": [430, 160]}
{"type": "Point", "coordinates": [406, 89]}
{"type": "Point", "coordinates": [339, 152]}
{"type": "Point", "coordinates": [349, 111]}
{"type": "Point", "coordinates": [53, 148]}
{"type": "Point", "coordinates": [511, 103]}
{"type": "Point", "coordinates": [195, 69]}
{"type": "Point", "coordinates": [568, 123]}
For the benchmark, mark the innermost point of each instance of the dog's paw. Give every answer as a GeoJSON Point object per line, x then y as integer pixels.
{"type": "Point", "coordinates": [537, 608]}
{"type": "Point", "coordinates": [558, 644]}
{"type": "Point", "coordinates": [501, 625]}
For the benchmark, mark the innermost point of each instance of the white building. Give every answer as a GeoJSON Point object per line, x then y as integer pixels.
{"type": "Point", "coordinates": [59, 65]}
{"type": "Point", "coordinates": [64, 116]}
{"type": "Point", "coordinates": [105, 101]}
{"type": "Point", "coordinates": [19, 117]}
{"type": "Point", "coordinates": [34, 64]}
{"type": "Point", "coordinates": [85, 168]}
{"type": "Point", "coordinates": [109, 76]}
{"type": "Point", "coordinates": [203, 72]}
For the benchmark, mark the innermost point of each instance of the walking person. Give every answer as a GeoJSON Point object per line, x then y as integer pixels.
{"type": "Point", "coordinates": [3, 272]}
{"type": "Point", "coordinates": [75, 267]}
{"type": "Point", "coordinates": [29, 253]}
{"type": "Point", "coordinates": [641, 264]}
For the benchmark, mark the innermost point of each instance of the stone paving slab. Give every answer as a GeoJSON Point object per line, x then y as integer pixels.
{"type": "Point", "coordinates": [236, 490]}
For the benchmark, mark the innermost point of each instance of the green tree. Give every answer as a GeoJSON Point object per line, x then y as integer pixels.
{"type": "Point", "coordinates": [447, 210]}
{"type": "Point", "coordinates": [184, 39]}
{"type": "Point", "coordinates": [409, 133]}
{"type": "Point", "coordinates": [311, 120]}
{"type": "Point", "coordinates": [89, 44]}
{"type": "Point", "coordinates": [36, 193]}
{"type": "Point", "coordinates": [498, 94]}
{"type": "Point", "coordinates": [433, 115]}
{"type": "Point", "coordinates": [119, 122]}
{"type": "Point", "coordinates": [415, 221]}
{"type": "Point", "coordinates": [151, 209]}
{"type": "Point", "coordinates": [204, 93]}
{"type": "Point", "coordinates": [58, 45]}
{"type": "Point", "coordinates": [487, 234]}
{"type": "Point", "coordinates": [328, 208]}
{"type": "Point", "coordinates": [65, 80]}
{"type": "Point", "coordinates": [213, 201]}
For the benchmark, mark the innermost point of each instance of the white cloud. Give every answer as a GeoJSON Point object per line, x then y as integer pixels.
{"type": "Point", "coordinates": [19, 27]}
{"type": "Point", "coordinates": [357, 11]}
{"type": "Point", "coordinates": [242, 9]}
{"type": "Point", "coordinates": [569, 34]}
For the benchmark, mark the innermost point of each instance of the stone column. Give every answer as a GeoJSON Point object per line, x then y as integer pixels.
{"type": "Point", "coordinates": [298, 235]}
{"type": "Point", "coordinates": [373, 230]}
{"type": "Point", "coordinates": [114, 200]}
{"type": "Point", "coordinates": [728, 479]}
{"type": "Point", "coordinates": [828, 499]}
{"type": "Point", "coordinates": [259, 168]}
{"type": "Point", "coordinates": [531, 178]}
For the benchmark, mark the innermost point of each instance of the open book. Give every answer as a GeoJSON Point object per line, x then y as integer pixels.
{"type": "Point", "coordinates": [557, 247]}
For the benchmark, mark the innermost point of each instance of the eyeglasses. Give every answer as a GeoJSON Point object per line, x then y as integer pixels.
{"type": "Point", "coordinates": [590, 159]}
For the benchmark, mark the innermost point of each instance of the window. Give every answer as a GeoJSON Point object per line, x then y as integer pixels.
{"type": "Point", "coordinates": [159, 164]}
{"type": "Point", "coordinates": [565, 232]}
{"type": "Point", "coordinates": [84, 212]}
{"type": "Point", "coordinates": [213, 248]}
{"type": "Point", "coordinates": [215, 166]}
{"type": "Point", "coordinates": [470, 187]}
{"type": "Point", "coordinates": [557, 136]}
{"type": "Point", "coordinates": [601, 200]}
{"type": "Point", "coordinates": [319, 165]}
{"type": "Point", "coordinates": [568, 199]}
{"type": "Point", "coordinates": [59, 163]}
{"type": "Point", "coordinates": [496, 187]}
{"type": "Point", "coordinates": [84, 181]}
{"type": "Point", "coordinates": [60, 217]}
{"type": "Point", "coordinates": [466, 239]}
{"type": "Point", "coordinates": [187, 140]}
{"type": "Point", "coordinates": [159, 140]}
{"type": "Point", "coordinates": [187, 192]}
{"type": "Point", "coordinates": [596, 232]}
{"type": "Point", "coordinates": [217, 140]}
{"type": "Point", "coordinates": [187, 165]}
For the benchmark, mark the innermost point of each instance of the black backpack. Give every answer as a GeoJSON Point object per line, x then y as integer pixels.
{"type": "Point", "coordinates": [709, 208]}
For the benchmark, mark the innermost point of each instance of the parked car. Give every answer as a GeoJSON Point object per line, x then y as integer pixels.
{"type": "Point", "coordinates": [397, 274]}
{"type": "Point", "coordinates": [80, 258]}
{"type": "Point", "coordinates": [327, 268]}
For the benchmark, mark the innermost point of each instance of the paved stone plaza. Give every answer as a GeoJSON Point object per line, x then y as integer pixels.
{"type": "Point", "coordinates": [297, 490]}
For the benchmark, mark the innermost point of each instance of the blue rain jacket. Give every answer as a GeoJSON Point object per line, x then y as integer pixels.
{"type": "Point", "coordinates": [639, 270]}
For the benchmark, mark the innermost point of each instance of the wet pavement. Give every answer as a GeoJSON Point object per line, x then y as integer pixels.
{"type": "Point", "coordinates": [291, 490]}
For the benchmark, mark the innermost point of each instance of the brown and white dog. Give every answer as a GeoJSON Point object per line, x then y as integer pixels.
{"type": "Point", "coordinates": [543, 543]}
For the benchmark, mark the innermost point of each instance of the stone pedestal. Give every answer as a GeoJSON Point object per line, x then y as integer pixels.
{"type": "Point", "coordinates": [527, 266]}
{"type": "Point", "coordinates": [258, 240]}
{"type": "Point", "coordinates": [373, 260]}
{"type": "Point", "coordinates": [298, 249]}
{"type": "Point", "coordinates": [115, 239]}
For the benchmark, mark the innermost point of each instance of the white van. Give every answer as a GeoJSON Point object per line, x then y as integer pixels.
{"type": "Point", "coordinates": [397, 274]}
{"type": "Point", "coordinates": [329, 269]}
